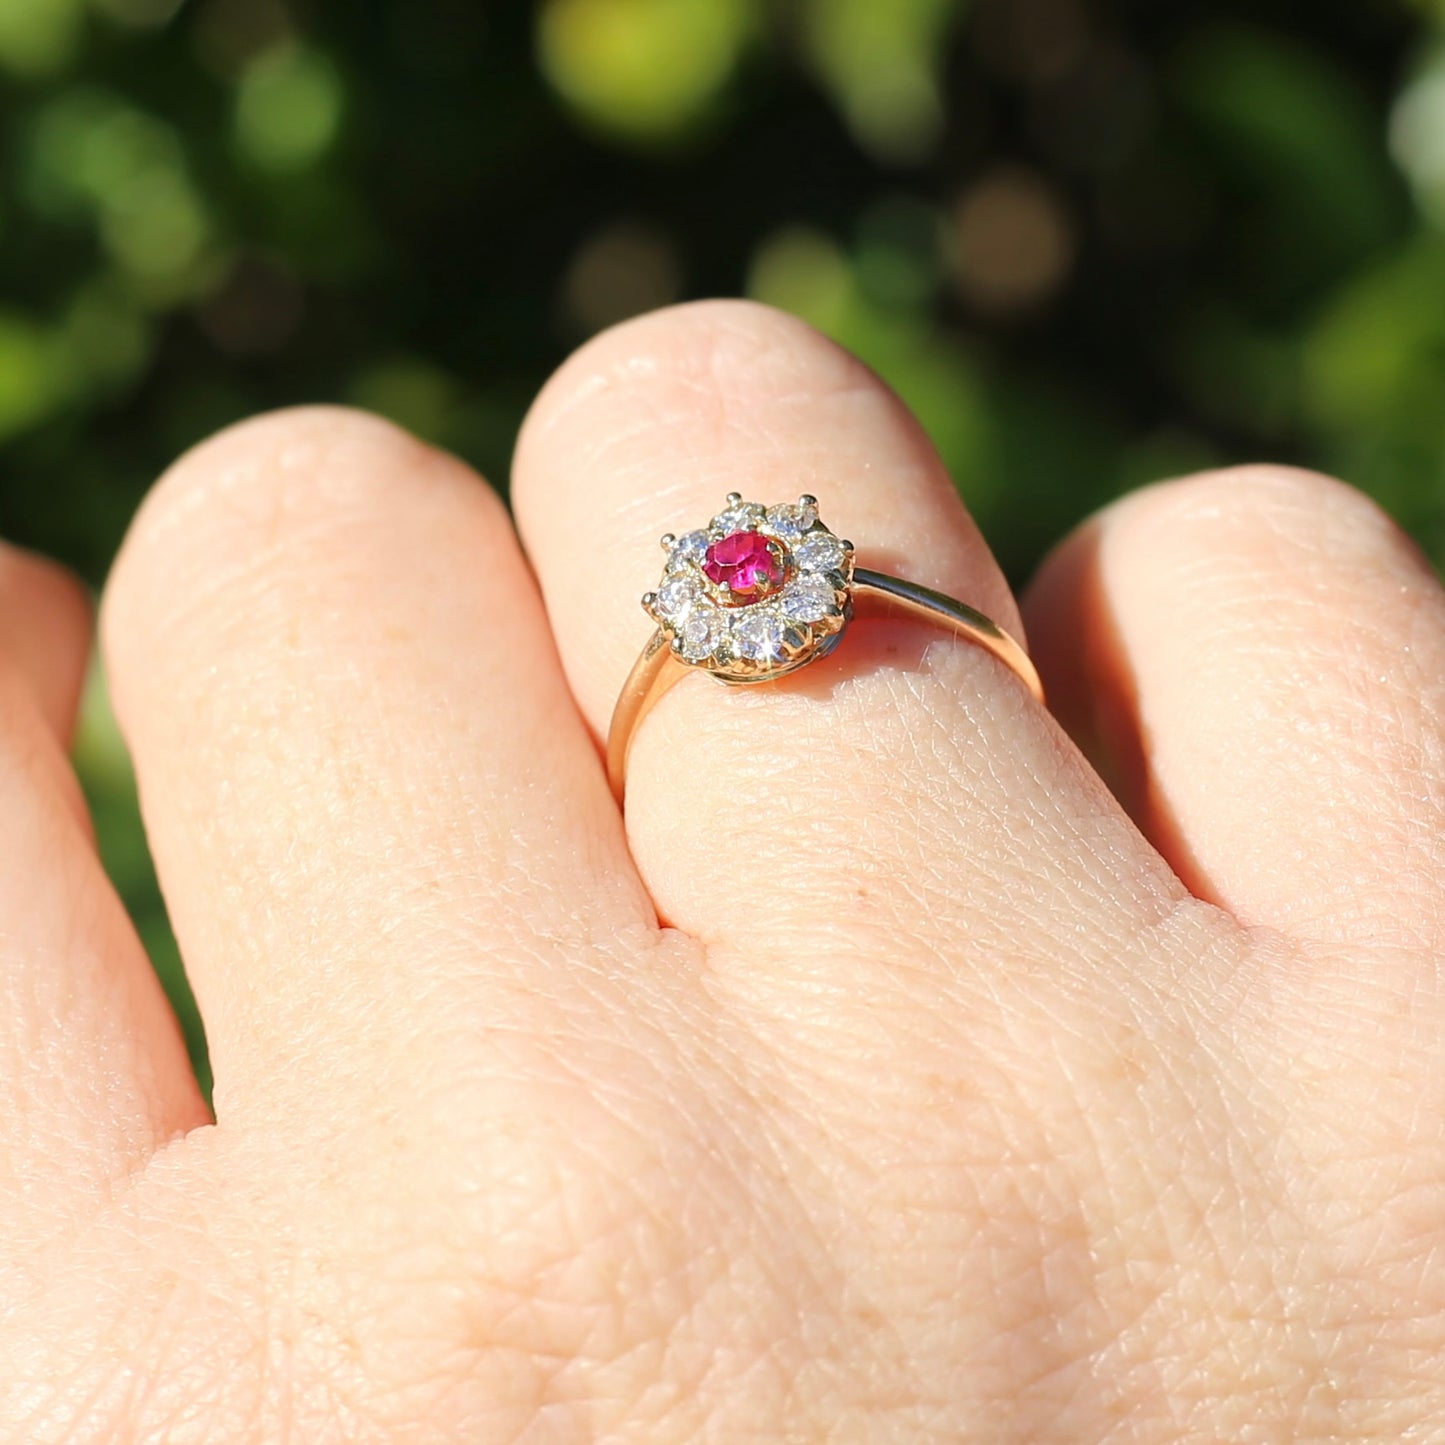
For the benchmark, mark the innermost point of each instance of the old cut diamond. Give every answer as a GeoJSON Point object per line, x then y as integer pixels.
{"type": "Point", "coordinates": [758, 634]}
{"type": "Point", "coordinates": [701, 633]}
{"type": "Point", "coordinates": [744, 517]}
{"type": "Point", "coordinates": [688, 551]}
{"type": "Point", "coordinates": [676, 597]}
{"type": "Point", "coordinates": [809, 598]}
{"type": "Point", "coordinates": [820, 552]}
{"type": "Point", "coordinates": [790, 520]}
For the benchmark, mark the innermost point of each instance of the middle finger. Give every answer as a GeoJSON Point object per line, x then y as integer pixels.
{"type": "Point", "coordinates": [377, 818]}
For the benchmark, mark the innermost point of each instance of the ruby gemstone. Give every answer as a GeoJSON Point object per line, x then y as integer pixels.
{"type": "Point", "coordinates": [746, 564]}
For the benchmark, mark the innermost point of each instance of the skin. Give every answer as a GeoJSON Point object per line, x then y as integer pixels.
{"type": "Point", "coordinates": [886, 1075]}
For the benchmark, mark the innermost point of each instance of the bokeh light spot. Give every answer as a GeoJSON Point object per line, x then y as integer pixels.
{"type": "Point", "coordinates": [1376, 358]}
{"type": "Point", "coordinates": [39, 37]}
{"type": "Point", "coordinates": [1013, 241]}
{"type": "Point", "coordinates": [881, 61]}
{"type": "Point", "coordinates": [803, 271]}
{"type": "Point", "coordinates": [32, 376]}
{"type": "Point", "coordinates": [412, 392]}
{"type": "Point", "coordinates": [106, 336]}
{"type": "Point", "coordinates": [1417, 137]}
{"type": "Point", "coordinates": [624, 270]}
{"type": "Point", "coordinates": [255, 309]}
{"type": "Point", "coordinates": [644, 69]}
{"type": "Point", "coordinates": [288, 107]}
{"type": "Point", "coordinates": [157, 230]}
{"type": "Point", "coordinates": [96, 157]}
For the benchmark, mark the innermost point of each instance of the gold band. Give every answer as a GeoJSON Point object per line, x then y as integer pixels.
{"type": "Point", "coordinates": [658, 669]}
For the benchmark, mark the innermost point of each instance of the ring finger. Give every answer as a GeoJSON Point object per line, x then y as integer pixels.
{"type": "Point", "coordinates": [909, 782]}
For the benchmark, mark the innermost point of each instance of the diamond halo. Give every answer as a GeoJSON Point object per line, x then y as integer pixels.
{"type": "Point", "coordinates": [757, 593]}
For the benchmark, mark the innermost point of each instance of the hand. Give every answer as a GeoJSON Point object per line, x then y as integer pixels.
{"type": "Point", "coordinates": [878, 1081]}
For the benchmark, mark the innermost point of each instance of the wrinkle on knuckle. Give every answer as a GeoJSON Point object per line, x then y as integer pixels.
{"type": "Point", "coordinates": [267, 467]}
{"type": "Point", "coordinates": [1291, 532]}
{"type": "Point", "coordinates": [243, 517]}
{"type": "Point", "coordinates": [539, 1234]}
{"type": "Point", "coordinates": [714, 372]}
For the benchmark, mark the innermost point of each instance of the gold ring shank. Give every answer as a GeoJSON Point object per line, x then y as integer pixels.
{"type": "Point", "coordinates": [657, 670]}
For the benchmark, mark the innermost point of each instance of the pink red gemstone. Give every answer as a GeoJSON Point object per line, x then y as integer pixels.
{"type": "Point", "coordinates": [747, 564]}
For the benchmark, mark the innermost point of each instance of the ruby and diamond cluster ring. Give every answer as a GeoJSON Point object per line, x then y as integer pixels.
{"type": "Point", "coordinates": [756, 593]}
{"type": "Point", "coordinates": [762, 591]}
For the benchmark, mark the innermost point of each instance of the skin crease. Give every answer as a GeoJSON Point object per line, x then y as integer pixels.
{"type": "Point", "coordinates": [885, 1077]}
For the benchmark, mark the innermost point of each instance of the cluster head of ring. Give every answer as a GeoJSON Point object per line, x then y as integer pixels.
{"type": "Point", "coordinates": [757, 592]}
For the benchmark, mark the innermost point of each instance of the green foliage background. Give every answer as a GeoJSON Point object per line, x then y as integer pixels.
{"type": "Point", "coordinates": [1091, 242]}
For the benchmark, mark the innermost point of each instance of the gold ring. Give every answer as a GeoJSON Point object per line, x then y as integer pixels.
{"type": "Point", "coordinates": [760, 592]}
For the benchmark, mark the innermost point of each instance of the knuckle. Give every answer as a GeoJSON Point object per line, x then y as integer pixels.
{"type": "Point", "coordinates": [1268, 501]}
{"type": "Point", "coordinates": [265, 498]}
{"type": "Point", "coordinates": [691, 364]}
{"type": "Point", "coordinates": [694, 334]}
{"type": "Point", "coordinates": [260, 470]}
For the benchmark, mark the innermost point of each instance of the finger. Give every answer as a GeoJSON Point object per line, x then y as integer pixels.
{"type": "Point", "coordinates": [909, 780]}
{"type": "Point", "coordinates": [44, 634]}
{"type": "Point", "coordinates": [93, 1073]}
{"type": "Point", "coordinates": [376, 817]}
{"type": "Point", "coordinates": [1258, 657]}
